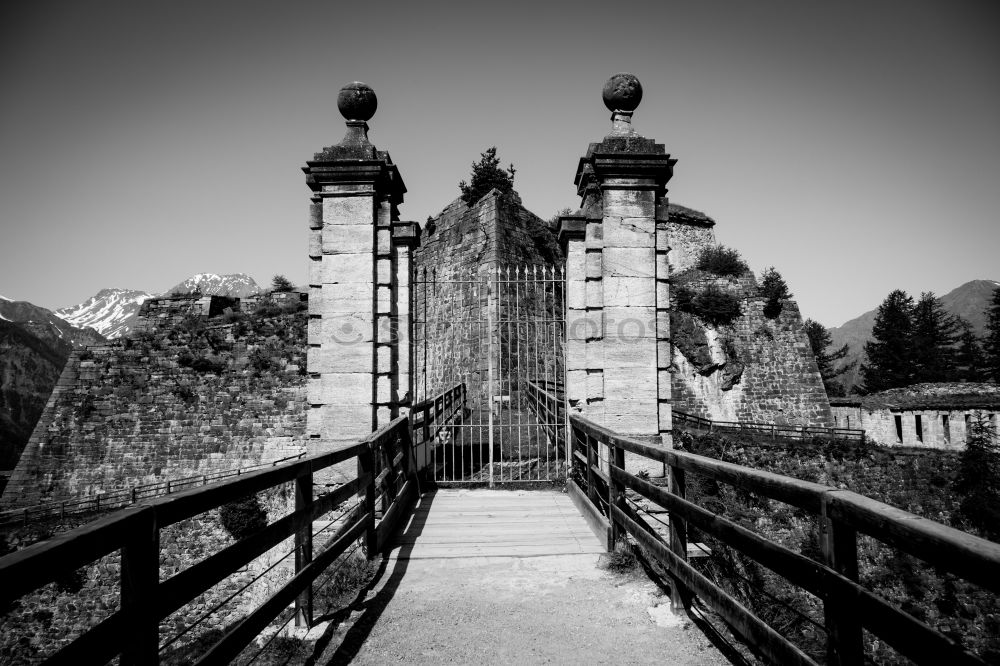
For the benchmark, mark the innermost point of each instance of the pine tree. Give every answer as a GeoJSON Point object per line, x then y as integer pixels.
{"type": "Point", "coordinates": [487, 175]}
{"type": "Point", "coordinates": [979, 476]}
{"type": "Point", "coordinates": [970, 362]}
{"type": "Point", "coordinates": [775, 290]}
{"type": "Point", "coordinates": [889, 359]}
{"type": "Point", "coordinates": [281, 283]}
{"type": "Point", "coordinates": [991, 345]}
{"type": "Point", "coordinates": [935, 333]}
{"type": "Point", "coordinates": [819, 340]}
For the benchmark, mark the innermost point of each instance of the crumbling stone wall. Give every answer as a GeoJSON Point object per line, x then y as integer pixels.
{"type": "Point", "coordinates": [688, 231]}
{"type": "Point", "coordinates": [168, 404]}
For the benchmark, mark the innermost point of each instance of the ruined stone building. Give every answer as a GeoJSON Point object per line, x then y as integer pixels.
{"type": "Point", "coordinates": [934, 416]}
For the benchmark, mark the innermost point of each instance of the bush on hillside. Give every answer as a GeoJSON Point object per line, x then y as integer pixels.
{"type": "Point", "coordinates": [722, 261]}
{"type": "Point", "coordinates": [242, 518]}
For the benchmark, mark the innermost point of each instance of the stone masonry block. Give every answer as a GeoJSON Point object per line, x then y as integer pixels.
{"type": "Point", "coordinates": [595, 385]}
{"type": "Point", "coordinates": [583, 324]}
{"type": "Point", "coordinates": [662, 293]}
{"type": "Point", "coordinates": [629, 291]}
{"type": "Point", "coordinates": [576, 355]}
{"type": "Point", "coordinates": [346, 330]}
{"type": "Point", "coordinates": [384, 241]}
{"type": "Point", "coordinates": [576, 294]}
{"type": "Point", "coordinates": [594, 235]}
{"type": "Point", "coordinates": [347, 422]}
{"type": "Point", "coordinates": [630, 203]}
{"type": "Point", "coordinates": [629, 323]}
{"type": "Point", "coordinates": [384, 304]}
{"type": "Point", "coordinates": [595, 355]}
{"type": "Point", "coordinates": [383, 271]}
{"type": "Point", "coordinates": [341, 387]}
{"type": "Point", "coordinates": [359, 210]}
{"type": "Point", "coordinates": [575, 262]}
{"type": "Point", "coordinates": [576, 384]}
{"type": "Point", "coordinates": [594, 268]}
{"type": "Point", "coordinates": [663, 380]}
{"type": "Point", "coordinates": [347, 239]}
{"type": "Point", "coordinates": [347, 297]}
{"type": "Point", "coordinates": [315, 243]}
{"type": "Point", "coordinates": [632, 417]}
{"type": "Point", "coordinates": [662, 266]}
{"type": "Point", "coordinates": [630, 384]}
{"type": "Point", "coordinates": [314, 328]}
{"type": "Point", "coordinates": [345, 358]}
{"type": "Point", "coordinates": [595, 294]}
{"type": "Point", "coordinates": [348, 268]}
{"type": "Point", "coordinates": [620, 352]}
{"type": "Point", "coordinates": [629, 262]}
{"type": "Point", "coordinates": [666, 416]}
{"type": "Point", "coordinates": [629, 232]}
{"type": "Point", "coordinates": [384, 355]}
{"type": "Point", "coordinates": [383, 390]}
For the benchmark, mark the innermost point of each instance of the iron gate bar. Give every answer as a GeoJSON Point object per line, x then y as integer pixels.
{"type": "Point", "coordinates": [496, 329]}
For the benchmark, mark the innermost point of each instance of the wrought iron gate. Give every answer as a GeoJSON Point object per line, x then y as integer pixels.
{"type": "Point", "coordinates": [501, 331]}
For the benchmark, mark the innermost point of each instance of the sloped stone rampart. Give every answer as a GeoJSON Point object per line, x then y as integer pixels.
{"type": "Point", "coordinates": [173, 403]}
{"type": "Point", "coordinates": [780, 382]}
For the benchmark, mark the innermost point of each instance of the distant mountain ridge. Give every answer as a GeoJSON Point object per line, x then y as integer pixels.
{"type": "Point", "coordinates": [968, 301]}
{"type": "Point", "coordinates": [236, 285]}
{"type": "Point", "coordinates": [110, 312]}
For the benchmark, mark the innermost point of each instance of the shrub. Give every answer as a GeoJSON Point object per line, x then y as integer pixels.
{"type": "Point", "coordinates": [185, 394]}
{"type": "Point", "coordinates": [243, 517]}
{"type": "Point", "coordinates": [716, 307]}
{"type": "Point", "coordinates": [261, 359]}
{"type": "Point", "coordinates": [723, 261]}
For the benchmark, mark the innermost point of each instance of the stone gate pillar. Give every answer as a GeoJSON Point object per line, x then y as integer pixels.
{"type": "Point", "coordinates": [354, 283]}
{"type": "Point", "coordinates": [618, 323]}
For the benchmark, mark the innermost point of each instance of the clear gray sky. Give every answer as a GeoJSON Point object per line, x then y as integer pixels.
{"type": "Point", "coordinates": [853, 145]}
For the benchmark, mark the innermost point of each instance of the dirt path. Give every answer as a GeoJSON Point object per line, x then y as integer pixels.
{"type": "Point", "coordinates": [498, 577]}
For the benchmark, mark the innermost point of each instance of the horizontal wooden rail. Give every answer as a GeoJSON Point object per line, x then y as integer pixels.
{"type": "Point", "coordinates": [848, 606]}
{"type": "Point", "coordinates": [117, 499]}
{"type": "Point", "coordinates": [386, 467]}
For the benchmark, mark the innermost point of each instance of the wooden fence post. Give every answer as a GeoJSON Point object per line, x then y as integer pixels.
{"type": "Point", "coordinates": [839, 544]}
{"type": "Point", "coordinates": [304, 549]}
{"type": "Point", "coordinates": [616, 493]}
{"type": "Point", "coordinates": [679, 596]}
{"type": "Point", "coordinates": [140, 576]}
{"type": "Point", "coordinates": [366, 465]}
{"type": "Point", "coordinates": [591, 493]}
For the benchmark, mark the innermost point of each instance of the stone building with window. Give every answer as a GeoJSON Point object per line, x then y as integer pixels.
{"type": "Point", "coordinates": [934, 416]}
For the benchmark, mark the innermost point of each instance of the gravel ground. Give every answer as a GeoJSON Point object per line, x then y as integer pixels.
{"type": "Point", "coordinates": [514, 610]}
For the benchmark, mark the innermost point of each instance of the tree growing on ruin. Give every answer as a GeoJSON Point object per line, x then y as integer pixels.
{"type": "Point", "coordinates": [775, 290]}
{"type": "Point", "coordinates": [487, 175]}
{"type": "Point", "coordinates": [820, 341]}
{"type": "Point", "coordinates": [280, 283]}
{"type": "Point", "coordinates": [935, 333]}
{"type": "Point", "coordinates": [991, 345]}
{"type": "Point", "coordinates": [889, 363]}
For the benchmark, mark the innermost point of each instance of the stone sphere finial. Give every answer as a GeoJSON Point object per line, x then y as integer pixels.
{"type": "Point", "coordinates": [622, 92]}
{"type": "Point", "coordinates": [357, 101]}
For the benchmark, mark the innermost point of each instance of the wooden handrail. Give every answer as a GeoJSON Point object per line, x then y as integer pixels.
{"type": "Point", "coordinates": [132, 631]}
{"type": "Point", "coordinates": [848, 606]}
{"type": "Point", "coordinates": [774, 430]}
{"type": "Point", "coordinates": [117, 499]}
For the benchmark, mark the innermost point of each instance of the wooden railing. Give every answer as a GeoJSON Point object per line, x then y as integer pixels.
{"type": "Point", "coordinates": [547, 404]}
{"type": "Point", "coordinates": [385, 486]}
{"type": "Point", "coordinates": [117, 499]}
{"type": "Point", "coordinates": [848, 607]}
{"type": "Point", "coordinates": [767, 430]}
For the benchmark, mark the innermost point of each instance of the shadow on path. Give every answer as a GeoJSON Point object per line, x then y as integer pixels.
{"type": "Point", "coordinates": [373, 608]}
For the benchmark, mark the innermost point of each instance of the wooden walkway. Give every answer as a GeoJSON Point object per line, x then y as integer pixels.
{"type": "Point", "coordinates": [502, 577]}
{"type": "Point", "coordinates": [496, 523]}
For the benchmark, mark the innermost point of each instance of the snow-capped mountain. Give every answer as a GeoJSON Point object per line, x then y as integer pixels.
{"type": "Point", "coordinates": [47, 325]}
{"type": "Point", "coordinates": [111, 312]}
{"type": "Point", "coordinates": [237, 285]}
